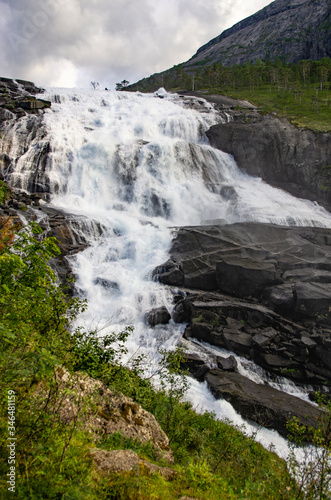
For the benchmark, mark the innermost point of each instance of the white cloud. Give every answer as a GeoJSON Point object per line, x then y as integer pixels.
{"type": "Point", "coordinates": [71, 42]}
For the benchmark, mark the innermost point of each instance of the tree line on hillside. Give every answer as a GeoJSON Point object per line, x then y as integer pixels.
{"type": "Point", "coordinates": [242, 77]}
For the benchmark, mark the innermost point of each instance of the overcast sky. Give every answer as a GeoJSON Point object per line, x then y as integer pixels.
{"type": "Point", "coordinates": [73, 42]}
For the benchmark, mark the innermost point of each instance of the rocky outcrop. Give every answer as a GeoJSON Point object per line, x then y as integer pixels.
{"type": "Point", "coordinates": [290, 29]}
{"type": "Point", "coordinates": [261, 403]}
{"type": "Point", "coordinates": [286, 268]}
{"type": "Point", "coordinates": [102, 411]}
{"type": "Point", "coordinates": [69, 230]}
{"type": "Point", "coordinates": [23, 163]}
{"type": "Point", "coordinates": [22, 114]}
{"type": "Point", "coordinates": [17, 99]}
{"type": "Point", "coordinates": [280, 346]}
{"type": "Point", "coordinates": [296, 160]}
{"type": "Point", "coordinates": [269, 294]}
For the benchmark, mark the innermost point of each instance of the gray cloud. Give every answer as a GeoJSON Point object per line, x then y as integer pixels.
{"type": "Point", "coordinates": [71, 42]}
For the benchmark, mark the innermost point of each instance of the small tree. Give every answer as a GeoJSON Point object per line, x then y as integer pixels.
{"type": "Point", "coordinates": [95, 85]}
{"type": "Point", "coordinates": [122, 85]}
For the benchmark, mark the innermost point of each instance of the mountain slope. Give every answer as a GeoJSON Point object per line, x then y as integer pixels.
{"type": "Point", "coordinates": [290, 29]}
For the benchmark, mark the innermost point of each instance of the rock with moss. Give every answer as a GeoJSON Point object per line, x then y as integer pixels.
{"type": "Point", "coordinates": [119, 461]}
{"type": "Point", "coordinates": [107, 412]}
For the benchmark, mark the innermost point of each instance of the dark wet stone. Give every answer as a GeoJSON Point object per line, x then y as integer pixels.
{"type": "Point", "coordinates": [261, 403]}
{"type": "Point", "coordinates": [158, 316]}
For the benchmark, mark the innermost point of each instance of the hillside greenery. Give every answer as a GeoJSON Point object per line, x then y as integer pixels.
{"type": "Point", "coordinates": [213, 460]}
{"type": "Point", "coordinates": [300, 92]}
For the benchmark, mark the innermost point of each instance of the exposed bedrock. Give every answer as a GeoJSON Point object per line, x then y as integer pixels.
{"type": "Point", "coordinates": [262, 403]}
{"type": "Point", "coordinates": [296, 160]}
{"type": "Point", "coordinates": [269, 294]}
{"type": "Point", "coordinates": [280, 346]}
{"type": "Point", "coordinates": [71, 232]}
{"type": "Point", "coordinates": [286, 268]}
{"type": "Point", "coordinates": [24, 147]}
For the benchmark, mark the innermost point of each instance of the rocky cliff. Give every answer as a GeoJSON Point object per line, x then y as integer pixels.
{"type": "Point", "coordinates": [290, 29]}
{"type": "Point", "coordinates": [296, 160]}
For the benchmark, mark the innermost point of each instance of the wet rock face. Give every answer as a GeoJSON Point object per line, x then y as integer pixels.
{"type": "Point", "coordinates": [158, 316]}
{"type": "Point", "coordinates": [22, 114]}
{"type": "Point", "coordinates": [17, 98]}
{"type": "Point", "coordinates": [295, 160]}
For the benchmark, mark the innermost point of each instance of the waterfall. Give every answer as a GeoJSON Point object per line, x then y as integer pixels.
{"type": "Point", "coordinates": [139, 166]}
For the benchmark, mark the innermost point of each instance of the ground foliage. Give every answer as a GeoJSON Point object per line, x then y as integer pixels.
{"type": "Point", "coordinates": [213, 460]}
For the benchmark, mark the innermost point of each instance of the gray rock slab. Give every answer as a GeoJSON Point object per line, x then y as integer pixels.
{"type": "Point", "coordinates": [261, 403]}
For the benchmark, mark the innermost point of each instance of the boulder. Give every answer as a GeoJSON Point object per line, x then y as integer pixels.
{"type": "Point", "coordinates": [182, 312]}
{"type": "Point", "coordinates": [228, 364]}
{"type": "Point", "coordinates": [158, 316]}
{"type": "Point", "coordinates": [238, 342]}
{"type": "Point", "coordinates": [169, 273]}
{"type": "Point", "coordinates": [265, 337]}
{"type": "Point", "coordinates": [119, 461]}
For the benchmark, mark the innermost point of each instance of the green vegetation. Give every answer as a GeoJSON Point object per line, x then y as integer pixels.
{"type": "Point", "coordinates": [300, 92]}
{"type": "Point", "coordinates": [213, 460]}
{"type": "Point", "coordinates": [4, 192]}
{"type": "Point", "coordinates": [313, 471]}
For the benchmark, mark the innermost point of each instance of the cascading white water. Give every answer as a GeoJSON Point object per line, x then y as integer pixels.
{"type": "Point", "coordinates": [140, 165]}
